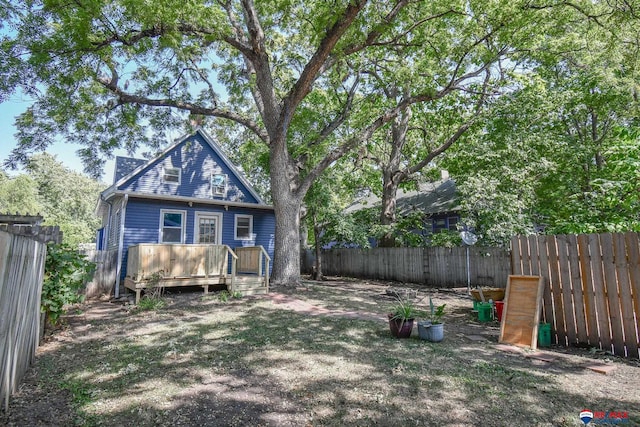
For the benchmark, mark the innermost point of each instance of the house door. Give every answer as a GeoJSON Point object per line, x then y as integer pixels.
{"type": "Point", "coordinates": [208, 228]}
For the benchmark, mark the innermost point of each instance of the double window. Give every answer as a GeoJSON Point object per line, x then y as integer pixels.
{"type": "Point", "coordinates": [172, 225]}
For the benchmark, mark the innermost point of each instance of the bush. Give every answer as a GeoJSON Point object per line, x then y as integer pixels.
{"type": "Point", "coordinates": [65, 272]}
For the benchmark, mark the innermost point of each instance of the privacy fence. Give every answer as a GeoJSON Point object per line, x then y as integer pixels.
{"type": "Point", "coordinates": [592, 287]}
{"type": "Point", "coordinates": [436, 267]}
{"type": "Point", "coordinates": [21, 273]}
{"type": "Point", "coordinates": [46, 233]}
{"type": "Point", "coordinates": [104, 277]}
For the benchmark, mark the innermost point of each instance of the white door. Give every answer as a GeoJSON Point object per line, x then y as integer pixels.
{"type": "Point", "coordinates": [208, 228]}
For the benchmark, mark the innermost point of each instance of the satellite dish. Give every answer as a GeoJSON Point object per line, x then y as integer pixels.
{"type": "Point", "coordinates": [468, 238]}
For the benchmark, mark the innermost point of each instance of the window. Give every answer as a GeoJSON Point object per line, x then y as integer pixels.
{"type": "Point", "coordinates": [244, 227]}
{"type": "Point", "coordinates": [171, 226]}
{"type": "Point", "coordinates": [218, 185]}
{"type": "Point", "coordinates": [114, 229]}
{"type": "Point", "coordinates": [171, 175]}
{"type": "Point", "coordinates": [439, 225]}
{"type": "Point", "coordinates": [453, 223]}
{"type": "Point", "coordinates": [442, 224]}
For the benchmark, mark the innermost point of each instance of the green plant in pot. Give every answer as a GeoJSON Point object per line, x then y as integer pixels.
{"type": "Point", "coordinates": [433, 328]}
{"type": "Point", "coordinates": [401, 319]}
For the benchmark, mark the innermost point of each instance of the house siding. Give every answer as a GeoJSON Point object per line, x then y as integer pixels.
{"type": "Point", "coordinates": [198, 158]}
{"type": "Point", "coordinates": [197, 161]}
{"type": "Point", "coordinates": [142, 224]}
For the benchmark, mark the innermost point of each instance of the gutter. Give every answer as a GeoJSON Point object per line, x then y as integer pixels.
{"type": "Point", "coordinates": [120, 245]}
{"type": "Point", "coordinates": [194, 200]}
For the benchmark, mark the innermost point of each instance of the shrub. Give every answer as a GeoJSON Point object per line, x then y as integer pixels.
{"type": "Point", "coordinates": [65, 273]}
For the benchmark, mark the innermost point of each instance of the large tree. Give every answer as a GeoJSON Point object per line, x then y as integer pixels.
{"type": "Point", "coordinates": [68, 198]}
{"type": "Point", "coordinates": [561, 151]}
{"type": "Point", "coordinates": [110, 74]}
{"type": "Point", "coordinates": [18, 195]}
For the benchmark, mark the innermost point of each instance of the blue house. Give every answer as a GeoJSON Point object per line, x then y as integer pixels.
{"type": "Point", "coordinates": [190, 194]}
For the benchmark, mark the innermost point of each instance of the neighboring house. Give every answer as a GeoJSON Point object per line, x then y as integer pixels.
{"type": "Point", "coordinates": [436, 201]}
{"type": "Point", "coordinates": [190, 193]}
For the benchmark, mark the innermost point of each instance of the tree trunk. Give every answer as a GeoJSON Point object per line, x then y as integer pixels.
{"type": "Point", "coordinates": [287, 203]}
{"type": "Point", "coordinates": [317, 271]}
{"type": "Point", "coordinates": [392, 176]}
{"type": "Point", "coordinates": [388, 212]}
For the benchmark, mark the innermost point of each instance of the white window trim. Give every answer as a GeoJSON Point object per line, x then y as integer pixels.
{"type": "Point", "coordinates": [235, 227]}
{"type": "Point", "coordinates": [196, 226]}
{"type": "Point", "coordinates": [164, 173]}
{"type": "Point", "coordinates": [182, 228]}
{"type": "Point", "coordinates": [224, 190]}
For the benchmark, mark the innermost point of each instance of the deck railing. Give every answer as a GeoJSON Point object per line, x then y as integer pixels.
{"type": "Point", "coordinates": [254, 260]}
{"type": "Point", "coordinates": [180, 261]}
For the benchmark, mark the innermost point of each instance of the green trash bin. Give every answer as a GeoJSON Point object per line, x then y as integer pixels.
{"type": "Point", "coordinates": [485, 311]}
{"type": "Point", "coordinates": [544, 334]}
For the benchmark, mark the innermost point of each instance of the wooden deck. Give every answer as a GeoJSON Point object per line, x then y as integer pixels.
{"type": "Point", "coordinates": [163, 265]}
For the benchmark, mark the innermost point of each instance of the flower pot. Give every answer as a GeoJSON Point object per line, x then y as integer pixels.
{"type": "Point", "coordinates": [400, 328]}
{"type": "Point", "coordinates": [431, 332]}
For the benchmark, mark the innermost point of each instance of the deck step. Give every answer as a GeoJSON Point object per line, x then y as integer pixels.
{"type": "Point", "coordinates": [250, 286]}
{"type": "Point", "coordinates": [252, 291]}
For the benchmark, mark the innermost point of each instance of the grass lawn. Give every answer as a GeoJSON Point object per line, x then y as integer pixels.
{"type": "Point", "coordinates": [317, 356]}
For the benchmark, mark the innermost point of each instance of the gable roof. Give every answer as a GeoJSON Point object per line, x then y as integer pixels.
{"type": "Point", "coordinates": [430, 198]}
{"type": "Point", "coordinates": [128, 167]}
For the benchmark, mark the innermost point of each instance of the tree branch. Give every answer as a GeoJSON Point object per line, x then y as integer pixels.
{"type": "Point", "coordinates": [128, 98]}
{"type": "Point", "coordinates": [312, 69]}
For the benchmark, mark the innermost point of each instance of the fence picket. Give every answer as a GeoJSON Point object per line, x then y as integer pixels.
{"type": "Point", "coordinates": [599, 287]}
{"type": "Point", "coordinates": [543, 260]}
{"type": "Point", "coordinates": [21, 272]}
{"type": "Point", "coordinates": [577, 293]}
{"type": "Point", "coordinates": [633, 248]}
{"type": "Point", "coordinates": [556, 291]}
{"type": "Point", "coordinates": [612, 294]}
{"type": "Point", "coordinates": [587, 290]}
{"type": "Point", "coordinates": [626, 301]}
{"type": "Point", "coordinates": [516, 256]}
{"type": "Point", "coordinates": [565, 285]}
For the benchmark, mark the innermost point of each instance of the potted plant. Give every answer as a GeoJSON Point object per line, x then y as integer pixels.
{"type": "Point", "coordinates": [433, 328]}
{"type": "Point", "coordinates": [401, 319]}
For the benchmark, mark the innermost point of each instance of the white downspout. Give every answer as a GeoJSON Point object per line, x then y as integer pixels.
{"type": "Point", "coordinates": [123, 211]}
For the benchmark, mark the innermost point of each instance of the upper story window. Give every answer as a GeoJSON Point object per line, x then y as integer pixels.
{"type": "Point", "coordinates": [244, 227]}
{"type": "Point", "coordinates": [171, 175]}
{"type": "Point", "coordinates": [219, 185]}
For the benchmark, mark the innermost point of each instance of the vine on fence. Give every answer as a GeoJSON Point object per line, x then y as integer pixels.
{"type": "Point", "coordinates": [65, 273]}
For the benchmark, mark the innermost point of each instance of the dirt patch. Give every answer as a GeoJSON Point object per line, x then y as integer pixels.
{"type": "Point", "coordinates": [317, 355]}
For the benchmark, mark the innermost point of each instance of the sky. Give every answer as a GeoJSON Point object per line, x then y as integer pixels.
{"type": "Point", "coordinates": [64, 152]}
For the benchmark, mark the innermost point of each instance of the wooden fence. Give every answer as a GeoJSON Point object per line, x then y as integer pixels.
{"type": "Point", "coordinates": [41, 233]}
{"type": "Point", "coordinates": [104, 278]}
{"type": "Point", "coordinates": [21, 273]}
{"type": "Point", "coordinates": [592, 287]}
{"type": "Point", "coordinates": [435, 266]}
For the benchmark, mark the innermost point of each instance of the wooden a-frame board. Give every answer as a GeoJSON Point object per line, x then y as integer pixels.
{"type": "Point", "coordinates": [521, 313]}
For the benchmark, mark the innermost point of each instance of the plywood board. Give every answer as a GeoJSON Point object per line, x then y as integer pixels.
{"type": "Point", "coordinates": [521, 315]}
